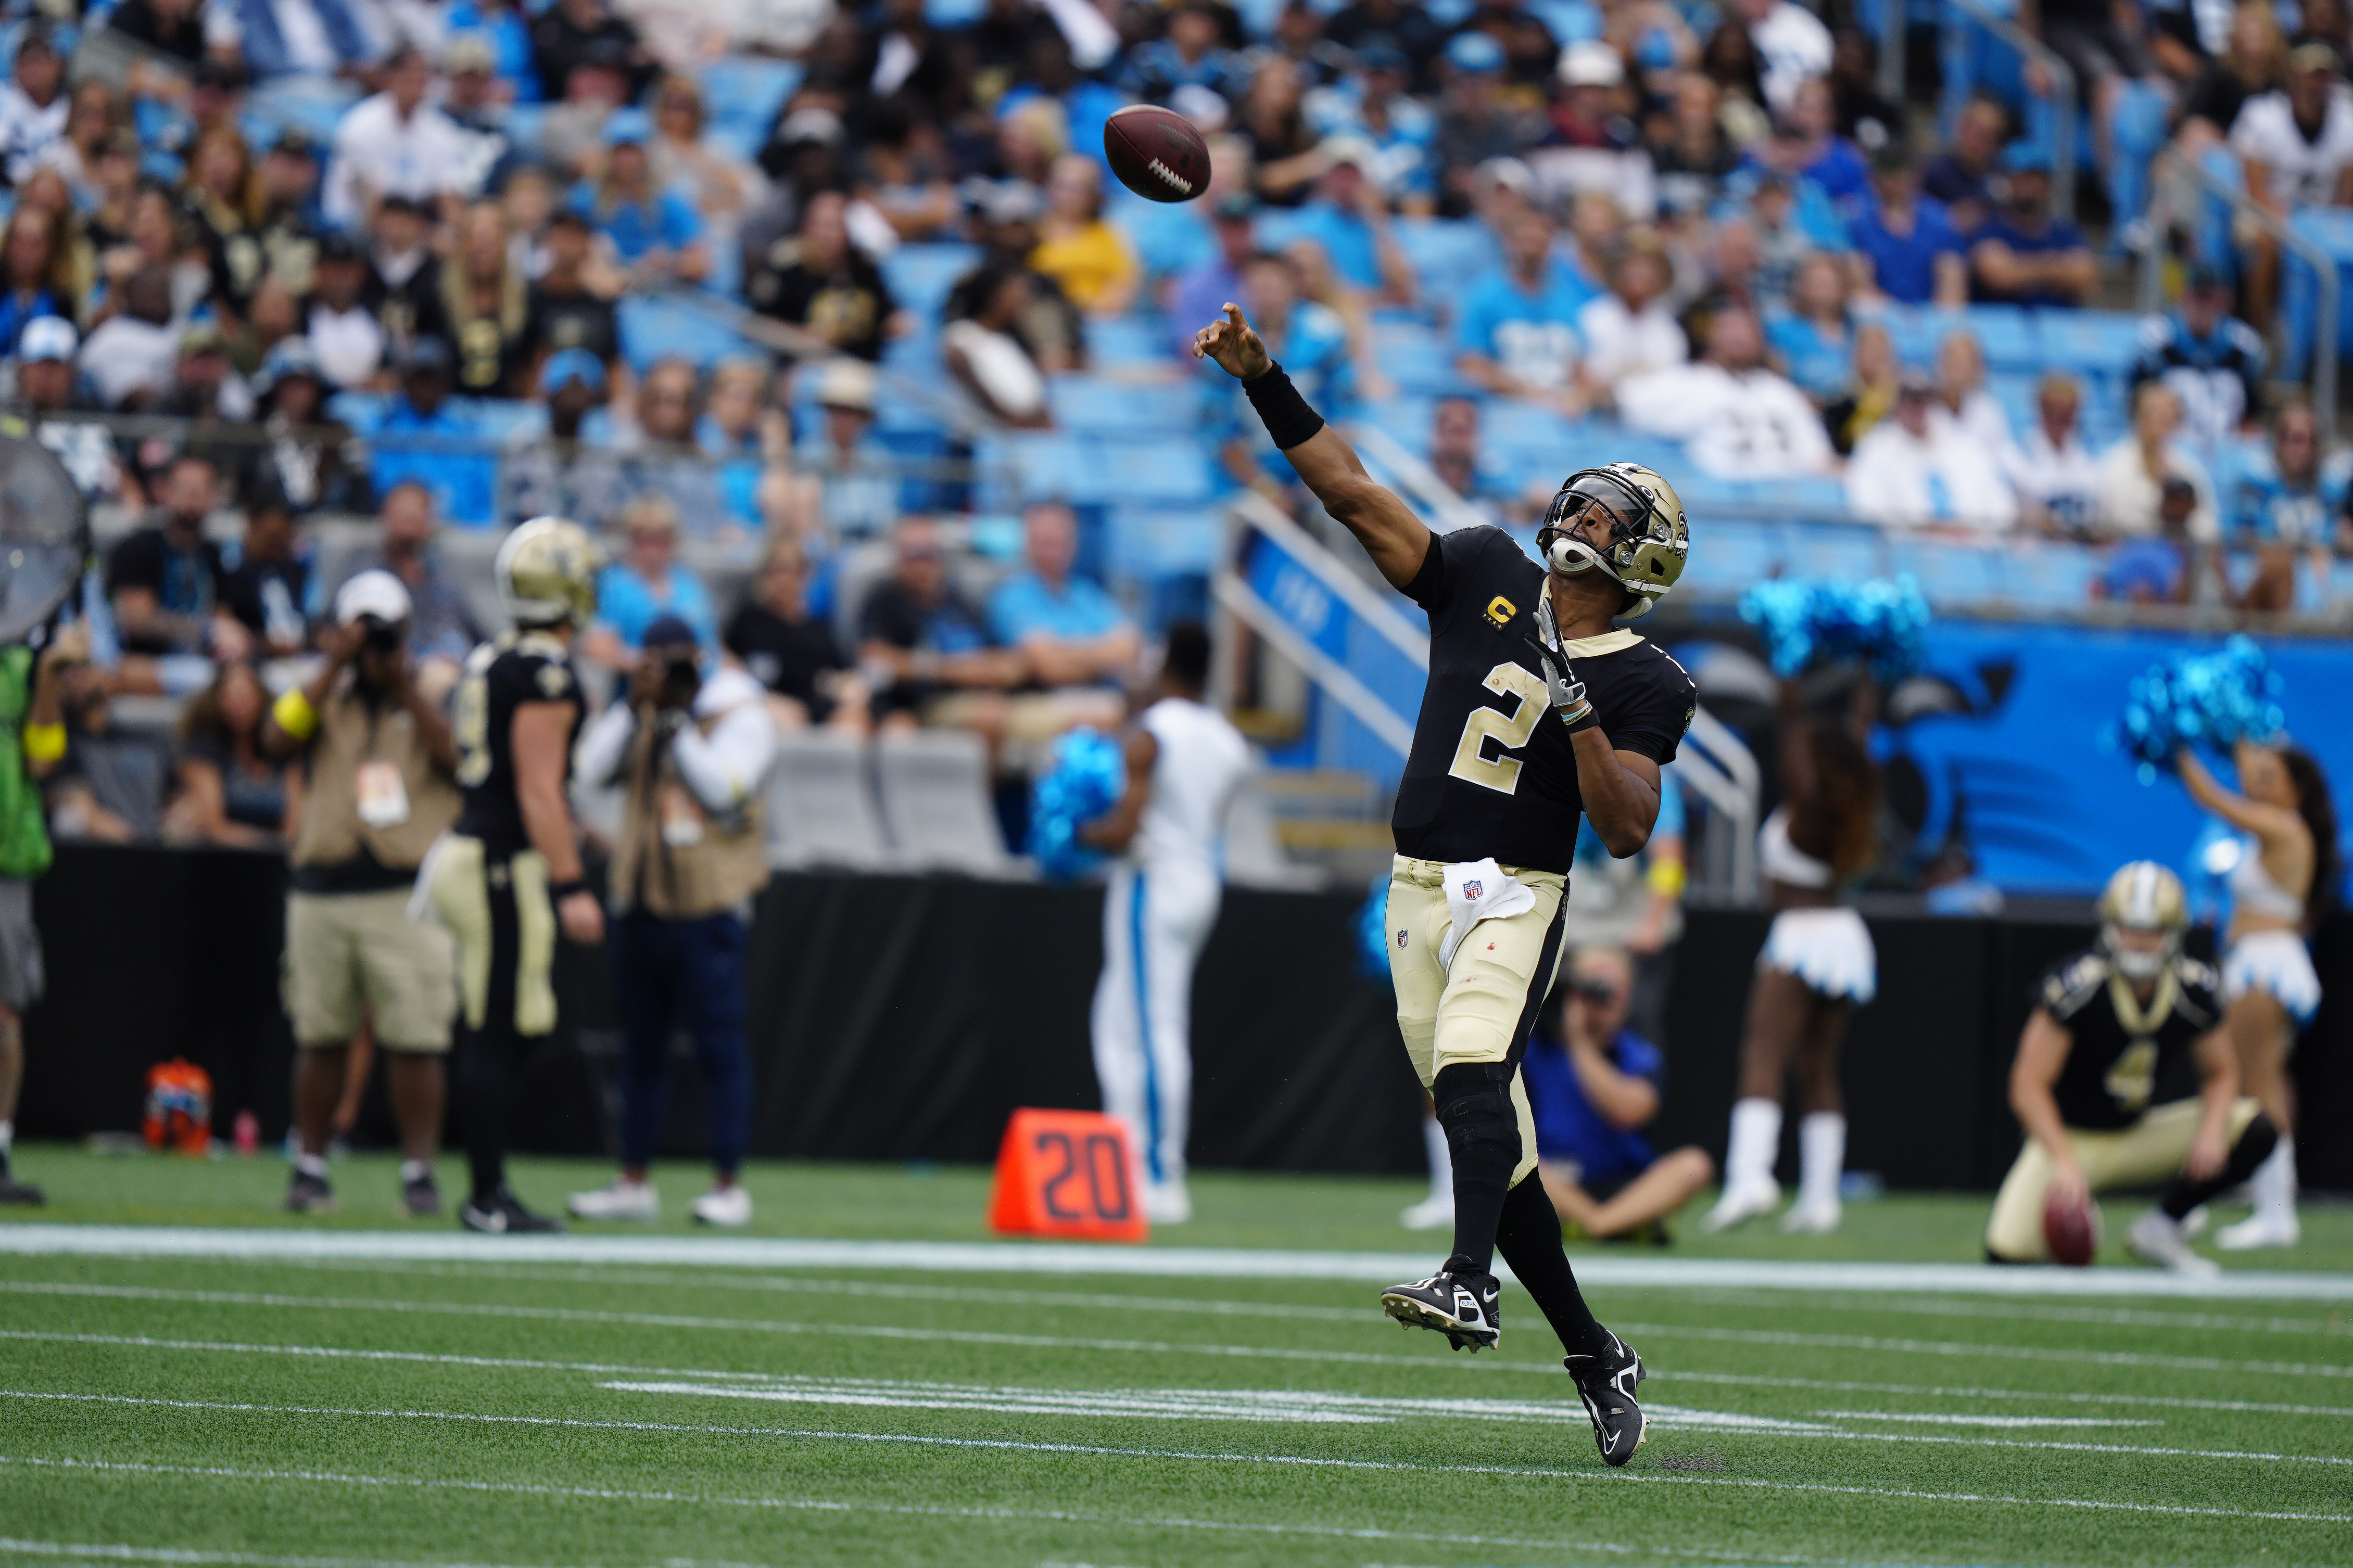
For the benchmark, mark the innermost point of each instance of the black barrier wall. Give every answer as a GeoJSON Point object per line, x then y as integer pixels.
{"type": "Point", "coordinates": [905, 1018]}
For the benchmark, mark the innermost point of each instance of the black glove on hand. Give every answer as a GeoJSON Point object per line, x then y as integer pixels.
{"type": "Point", "coordinates": [1566, 692]}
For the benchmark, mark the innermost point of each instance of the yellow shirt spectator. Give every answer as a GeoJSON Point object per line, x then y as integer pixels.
{"type": "Point", "coordinates": [1090, 259]}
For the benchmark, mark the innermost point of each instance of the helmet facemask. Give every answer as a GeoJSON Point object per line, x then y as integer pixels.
{"type": "Point", "coordinates": [2140, 963]}
{"type": "Point", "coordinates": [1623, 520]}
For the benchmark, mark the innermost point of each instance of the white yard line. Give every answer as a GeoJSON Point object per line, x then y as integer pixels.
{"type": "Point", "coordinates": [1049, 1257]}
{"type": "Point", "coordinates": [2005, 1310]}
{"type": "Point", "coordinates": [703, 1499]}
{"type": "Point", "coordinates": [1925, 1419]}
{"type": "Point", "coordinates": [1791, 1338]}
{"type": "Point", "coordinates": [187, 1557]}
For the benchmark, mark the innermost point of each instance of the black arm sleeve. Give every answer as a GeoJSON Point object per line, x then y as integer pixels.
{"type": "Point", "coordinates": [1428, 583]}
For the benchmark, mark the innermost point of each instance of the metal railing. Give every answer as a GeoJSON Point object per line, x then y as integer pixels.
{"type": "Point", "coordinates": [2171, 164]}
{"type": "Point", "coordinates": [2062, 94]}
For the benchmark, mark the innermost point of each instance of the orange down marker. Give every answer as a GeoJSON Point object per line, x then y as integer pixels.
{"type": "Point", "coordinates": [1066, 1174]}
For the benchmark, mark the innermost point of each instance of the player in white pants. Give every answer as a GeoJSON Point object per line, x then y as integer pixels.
{"type": "Point", "coordinates": [1184, 764]}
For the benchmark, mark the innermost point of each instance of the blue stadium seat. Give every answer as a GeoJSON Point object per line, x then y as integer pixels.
{"type": "Point", "coordinates": [1415, 358]}
{"type": "Point", "coordinates": [1829, 550]}
{"type": "Point", "coordinates": [1144, 543]}
{"type": "Point", "coordinates": [1406, 420]}
{"type": "Point", "coordinates": [920, 276]}
{"type": "Point", "coordinates": [1738, 551]}
{"type": "Point", "coordinates": [2010, 336]}
{"type": "Point", "coordinates": [1950, 574]}
{"type": "Point", "coordinates": [1090, 403]}
{"type": "Point", "coordinates": [1042, 465]}
{"type": "Point", "coordinates": [2014, 390]}
{"type": "Point", "coordinates": [2091, 341]}
{"type": "Point", "coordinates": [653, 327]}
{"type": "Point", "coordinates": [742, 93]}
{"type": "Point", "coordinates": [1169, 468]}
{"type": "Point", "coordinates": [1126, 340]}
{"type": "Point", "coordinates": [1445, 254]}
{"type": "Point", "coordinates": [362, 411]}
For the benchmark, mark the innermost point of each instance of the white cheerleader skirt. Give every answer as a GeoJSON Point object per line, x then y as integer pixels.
{"type": "Point", "coordinates": [2276, 961]}
{"type": "Point", "coordinates": [1828, 949]}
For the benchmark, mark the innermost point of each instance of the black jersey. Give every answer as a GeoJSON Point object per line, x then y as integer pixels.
{"type": "Point", "coordinates": [1492, 772]}
{"type": "Point", "coordinates": [500, 676]}
{"type": "Point", "coordinates": [2124, 1057]}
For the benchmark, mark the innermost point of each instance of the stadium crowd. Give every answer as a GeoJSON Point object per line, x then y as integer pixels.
{"type": "Point", "coordinates": [448, 264]}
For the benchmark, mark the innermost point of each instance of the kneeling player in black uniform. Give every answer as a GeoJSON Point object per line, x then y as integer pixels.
{"type": "Point", "coordinates": [507, 878]}
{"type": "Point", "coordinates": [2101, 1081]}
{"type": "Point", "coordinates": [1486, 829]}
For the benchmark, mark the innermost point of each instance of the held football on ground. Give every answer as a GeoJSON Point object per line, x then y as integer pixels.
{"type": "Point", "coordinates": [1156, 153]}
{"type": "Point", "coordinates": [2071, 1229]}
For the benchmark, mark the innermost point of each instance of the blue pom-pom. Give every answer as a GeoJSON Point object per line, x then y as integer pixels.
{"type": "Point", "coordinates": [1373, 929]}
{"type": "Point", "coordinates": [1814, 621]}
{"type": "Point", "coordinates": [1088, 775]}
{"type": "Point", "coordinates": [2209, 700]}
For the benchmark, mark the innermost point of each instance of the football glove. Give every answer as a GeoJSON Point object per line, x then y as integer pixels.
{"type": "Point", "coordinates": [1563, 690]}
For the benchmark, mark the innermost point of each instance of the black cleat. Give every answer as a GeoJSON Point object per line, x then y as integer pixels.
{"type": "Point", "coordinates": [503, 1214]}
{"type": "Point", "coordinates": [1607, 1383]}
{"type": "Point", "coordinates": [307, 1194]}
{"type": "Point", "coordinates": [13, 1191]}
{"type": "Point", "coordinates": [420, 1197]}
{"type": "Point", "coordinates": [1463, 1307]}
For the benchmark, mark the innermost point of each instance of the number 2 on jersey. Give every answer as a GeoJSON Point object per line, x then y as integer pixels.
{"type": "Point", "coordinates": [1502, 772]}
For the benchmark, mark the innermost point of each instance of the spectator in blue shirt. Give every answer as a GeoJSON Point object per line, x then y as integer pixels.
{"type": "Point", "coordinates": [644, 586]}
{"type": "Point", "coordinates": [1905, 241]}
{"type": "Point", "coordinates": [1591, 1090]}
{"type": "Point", "coordinates": [2023, 255]}
{"type": "Point", "coordinates": [1516, 334]}
{"type": "Point", "coordinates": [1814, 340]}
{"type": "Point", "coordinates": [1806, 145]}
{"type": "Point", "coordinates": [428, 440]}
{"type": "Point", "coordinates": [1199, 294]}
{"type": "Point", "coordinates": [1073, 633]}
{"type": "Point", "coordinates": [1187, 55]}
{"type": "Point", "coordinates": [656, 232]}
{"type": "Point", "coordinates": [2284, 499]}
{"type": "Point", "coordinates": [1349, 217]}
{"type": "Point", "coordinates": [1372, 108]}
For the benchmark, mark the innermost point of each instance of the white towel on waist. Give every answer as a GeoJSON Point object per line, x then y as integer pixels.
{"type": "Point", "coordinates": [1480, 890]}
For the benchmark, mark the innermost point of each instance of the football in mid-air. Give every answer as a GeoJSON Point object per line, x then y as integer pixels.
{"type": "Point", "coordinates": [1156, 153]}
{"type": "Point", "coordinates": [2071, 1230]}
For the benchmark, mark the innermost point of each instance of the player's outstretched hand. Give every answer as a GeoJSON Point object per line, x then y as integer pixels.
{"type": "Point", "coordinates": [1235, 347]}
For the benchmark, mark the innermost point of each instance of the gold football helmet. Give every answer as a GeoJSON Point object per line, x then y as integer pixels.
{"type": "Point", "coordinates": [1643, 538]}
{"type": "Point", "coordinates": [2143, 897]}
{"type": "Point", "coordinates": [546, 571]}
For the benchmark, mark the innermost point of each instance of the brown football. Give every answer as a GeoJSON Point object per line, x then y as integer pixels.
{"type": "Point", "coordinates": [2071, 1230]}
{"type": "Point", "coordinates": [1156, 153]}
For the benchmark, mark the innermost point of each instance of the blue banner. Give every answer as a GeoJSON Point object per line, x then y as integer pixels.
{"type": "Point", "coordinates": [2046, 803]}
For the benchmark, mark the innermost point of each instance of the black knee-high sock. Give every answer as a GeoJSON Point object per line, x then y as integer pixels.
{"type": "Point", "coordinates": [1482, 1140]}
{"type": "Point", "coordinates": [1529, 1239]}
{"type": "Point", "coordinates": [490, 1068]}
{"type": "Point", "coordinates": [2254, 1147]}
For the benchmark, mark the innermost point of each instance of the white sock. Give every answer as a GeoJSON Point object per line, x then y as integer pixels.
{"type": "Point", "coordinates": [2274, 1182]}
{"type": "Point", "coordinates": [311, 1165]}
{"type": "Point", "coordinates": [8, 1138]}
{"type": "Point", "coordinates": [1441, 1163]}
{"type": "Point", "coordinates": [1756, 1142]}
{"type": "Point", "coordinates": [1821, 1156]}
{"type": "Point", "coordinates": [414, 1170]}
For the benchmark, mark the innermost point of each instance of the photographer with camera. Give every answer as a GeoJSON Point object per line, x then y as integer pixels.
{"type": "Point", "coordinates": [379, 764]}
{"type": "Point", "coordinates": [691, 749]}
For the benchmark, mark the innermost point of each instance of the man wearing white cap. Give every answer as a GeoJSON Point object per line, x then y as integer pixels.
{"type": "Point", "coordinates": [380, 763]}
{"type": "Point", "coordinates": [47, 381]}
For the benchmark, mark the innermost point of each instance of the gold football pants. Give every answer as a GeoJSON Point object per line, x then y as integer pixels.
{"type": "Point", "coordinates": [2148, 1152]}
{"type": "Point", "coordinates": [1481, 1007]}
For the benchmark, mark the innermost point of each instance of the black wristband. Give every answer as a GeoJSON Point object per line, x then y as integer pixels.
{"type": "Point", "coordinates": [1280, 407]}
{"type": "Point", "coordinates": [1587, 721]}
{"type": "Point", "coordinates": [559, 891]}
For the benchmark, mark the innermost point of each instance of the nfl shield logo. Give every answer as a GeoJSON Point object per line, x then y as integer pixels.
{"type": "Point", "coordinates": [1400, 938]}
{"type": "Point", "coordinates": [1471, 890]}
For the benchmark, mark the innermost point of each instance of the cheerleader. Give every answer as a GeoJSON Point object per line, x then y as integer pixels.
{"type": "Point", "coordinates": [1817, 967]}
{"type": "Point", "coordinates": [2285, 874]}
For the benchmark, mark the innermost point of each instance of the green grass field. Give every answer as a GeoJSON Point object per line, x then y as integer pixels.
{"type": "Point", "coordinates": [362, 1410]}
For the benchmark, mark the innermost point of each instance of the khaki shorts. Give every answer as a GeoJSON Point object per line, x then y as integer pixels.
{"type": "Point", "coordinates": [2151, 1150]}
{"type": "Point", "coordinates": [349, 955]}
{"type": "Point", "coordinates": [500, 913]}
{"type": "Point", "coordinates": [1482, 1008]}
